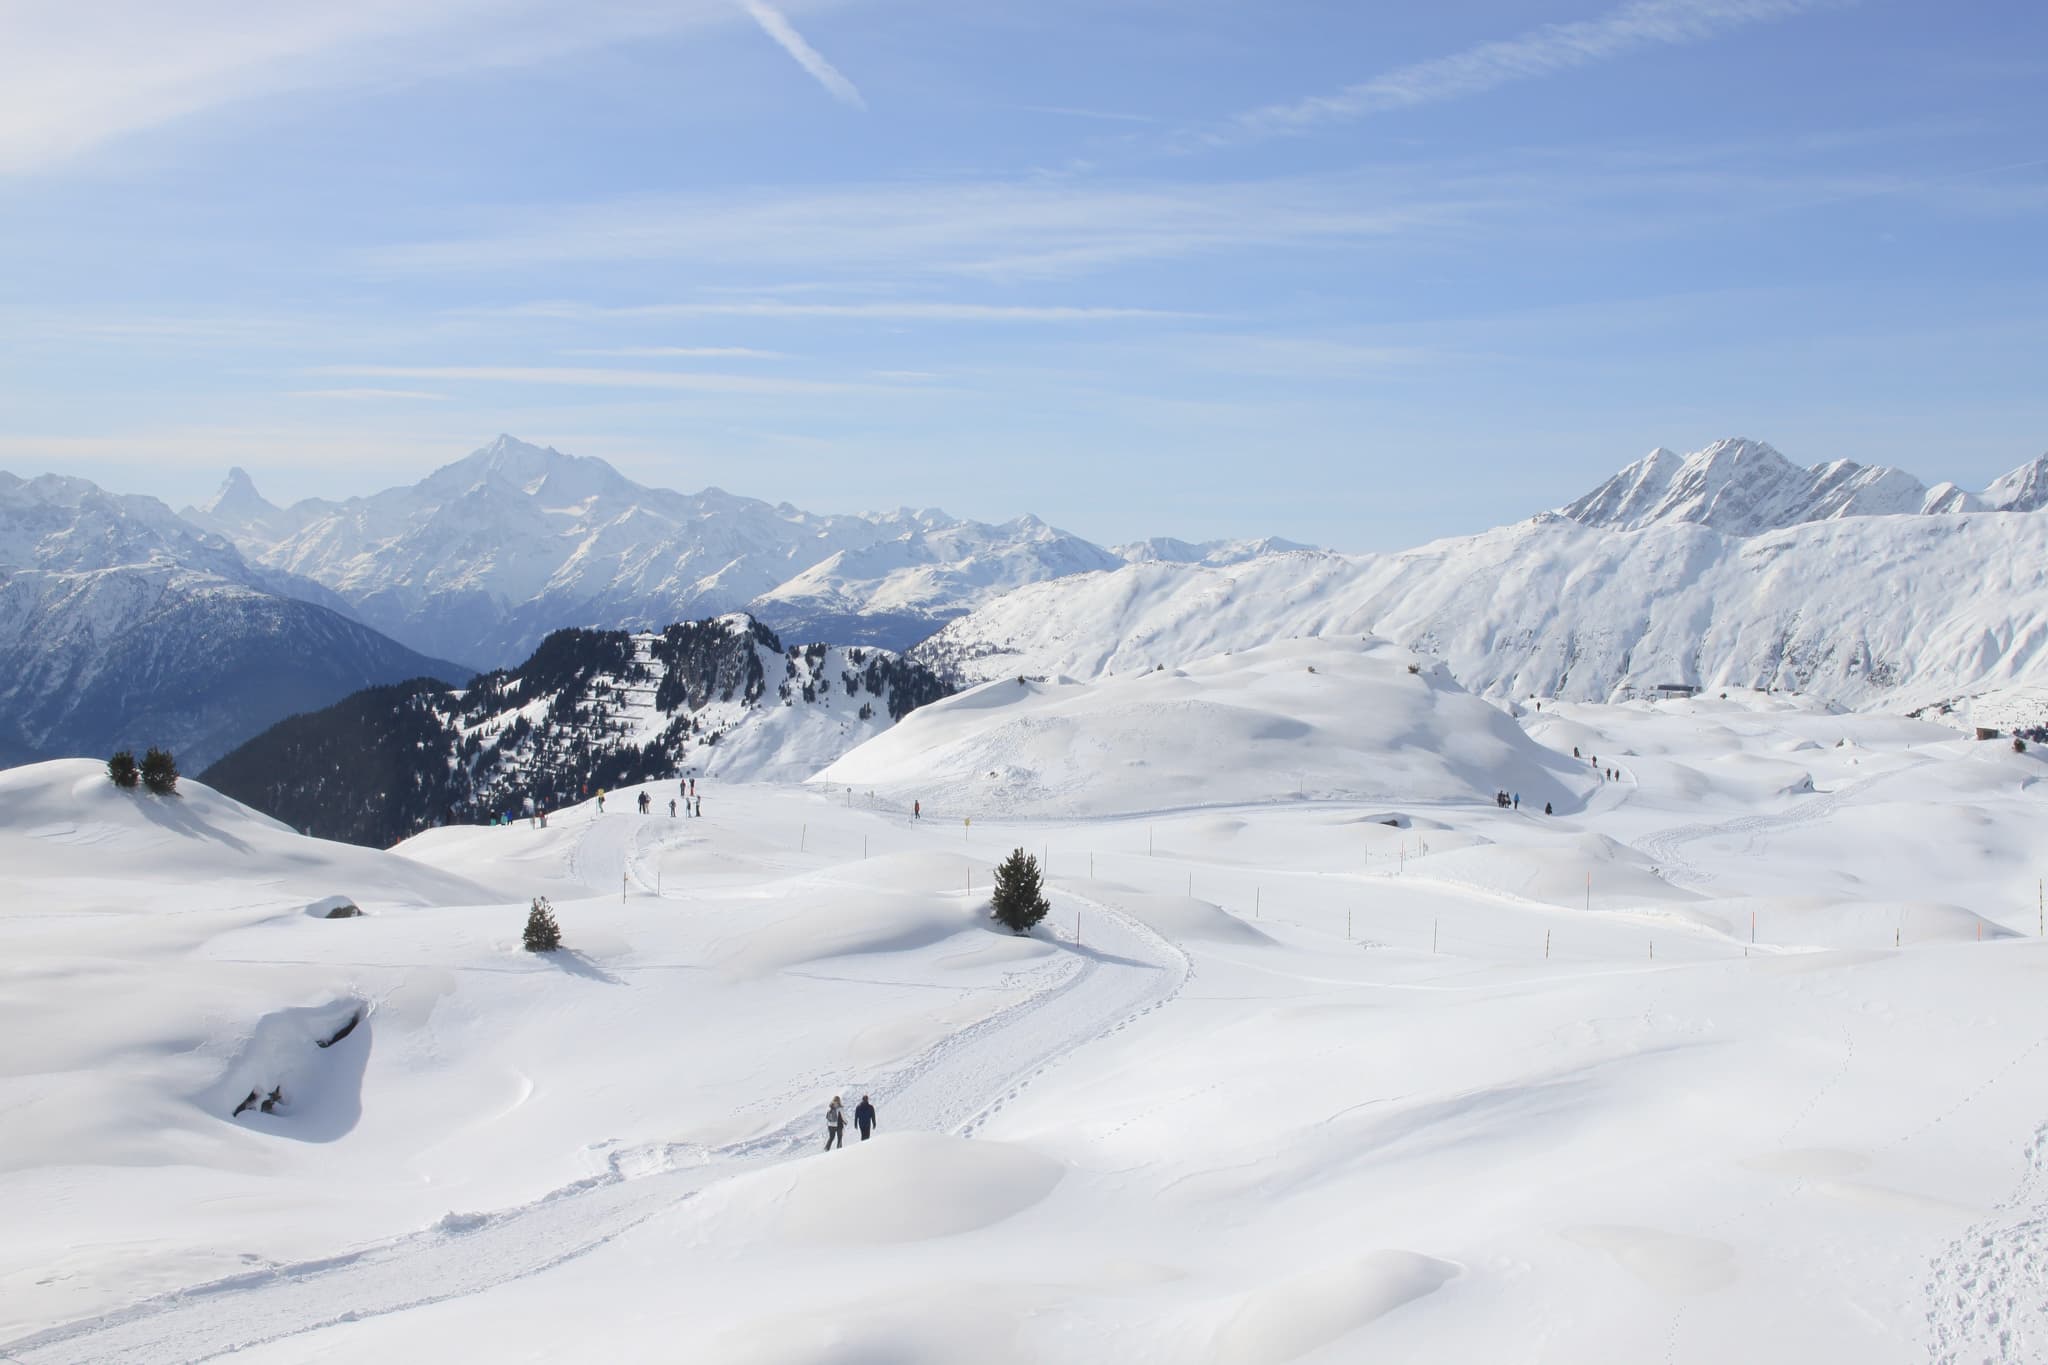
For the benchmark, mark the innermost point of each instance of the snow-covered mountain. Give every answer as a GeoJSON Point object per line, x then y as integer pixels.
{"type": "Point", "coordinates": [1900, 611]}
{"type": "Point", "coordinates": [1745, 488]}
{"type": "Point", "coordinates": [121, 624]}
{"type": "Point", "coordinates": [487, 555]}
{"type": "Point", "coordinates": [1167, 550]}
{"type": "Point", "coordinates": [590, 710]}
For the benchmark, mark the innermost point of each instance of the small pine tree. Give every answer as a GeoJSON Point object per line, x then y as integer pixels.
{"type": "Point", "coordinates": [1019, 900]}
{"type": "Point", "coordinates": [160, 772]}
{"type": "Point", "coordinates": [121, 769]}
{"type": "Point", "coordinates": [543, 935]}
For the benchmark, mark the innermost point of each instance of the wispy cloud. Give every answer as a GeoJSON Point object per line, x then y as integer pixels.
{"type": "Point", "coordinates": [809, 58]}
{"type": "Point", "coordinates": [906, 311]}
{"type": "Point", "coordinates": [1540, 52]}
{"type": "Point", "coordinates": [1022, 229]}
{"type": "Point", "coordinates": [364, 394]}
{"type": "Point", "coordinates": [678, 352]}
{"type": "Point", "coordinates": [594, 377]}
{"type": "Point", "coordinates": [76, 75]}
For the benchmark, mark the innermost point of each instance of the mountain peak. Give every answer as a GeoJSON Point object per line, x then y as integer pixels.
{"type": "Point", "coordinates": [237, 499]}
{"type": "Point", "coordinates": [2023, 490]}
{"type": "Point", "coordinates": [1743, 487]}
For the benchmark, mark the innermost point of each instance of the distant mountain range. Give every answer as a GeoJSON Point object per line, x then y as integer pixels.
{"type": "Point", "coordinates": [122, 622]}
{"type": "Point", "coordinates": [1745, 488]}
{"type": "Point", "coordinates": [122, 625]}
{"type": "Point", "coordinates": [1728, 567]}
{"type": "Point", "coordinates": [485, 556]}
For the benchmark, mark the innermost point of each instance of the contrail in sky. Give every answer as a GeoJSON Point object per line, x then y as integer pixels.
{"type": "Point", "coordinates": [809, 58]}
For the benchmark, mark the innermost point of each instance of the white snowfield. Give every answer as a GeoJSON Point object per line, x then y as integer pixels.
{"type": "Point", "coordinates": [1740, 1056]}
{"type": "Point", "coordinates": [1896, 611]}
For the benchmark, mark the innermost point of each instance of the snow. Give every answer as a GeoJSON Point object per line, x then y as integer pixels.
{"type": "Point", "coordinates": [1919, 610]}
{"type": "Point", "coordinates": [1737, 1057]}
{"type": "Point", "coordinates": [1745, 488]}
{"type": "Point", "coordinates": [487, 555]}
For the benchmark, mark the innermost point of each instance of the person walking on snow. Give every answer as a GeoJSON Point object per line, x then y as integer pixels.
{"type": "Point", "coordinates": [671, 808]}
{"type": "Point", "coordinates": [917, 810]}
{"type": "Point", "coordinates": [864, 1118]}
{"type": "Point", "coordinates": [835, 1125]}
{"type": "Point", "coordinates": [1518, 800]}
{"type": "Point", "coordinates": [600, 800]}
{"type": "Point", "coordinates": [700, 807]}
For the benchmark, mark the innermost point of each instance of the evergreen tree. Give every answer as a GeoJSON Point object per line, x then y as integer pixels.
{"type": "Point", "coordinates": [1019, 900]}
{"type": "Point", "coordinates": [121, 769]}
{"type": "Point", "coordinates": [543, 935]}
{"type": "Point", "coordinates": [160, 772]}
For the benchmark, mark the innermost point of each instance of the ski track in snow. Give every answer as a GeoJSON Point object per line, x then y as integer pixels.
{"type": "Point", "coordinates": [959, 1085]}
{"type": "Point", "coordinates": [1987, 1293]}
{"type": "Point", "coordinates": [1663, 846]}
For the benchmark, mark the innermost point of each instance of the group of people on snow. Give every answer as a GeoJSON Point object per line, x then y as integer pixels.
{"type": "Point", "coordinates": [835, 1122]}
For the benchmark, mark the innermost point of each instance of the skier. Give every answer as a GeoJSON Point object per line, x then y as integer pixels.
{"type": "Point", "coordinates": [864, 1118]}
{"type": "Point", "coordinates": [600, 800]}
{"type": "Point", "coordinates": [917, 810]}
{"type": "Point", "coordinates": [700, 807]}
{"type": "Point", "coordinates": [835, 1125]}
{"type": "Point", "coordinates": [671, 808]}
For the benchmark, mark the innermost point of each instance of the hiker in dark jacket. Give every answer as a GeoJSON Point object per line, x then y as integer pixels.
{"type": "Point", "coordinates": [864, 1118]}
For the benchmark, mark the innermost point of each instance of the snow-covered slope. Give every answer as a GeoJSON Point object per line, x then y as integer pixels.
{"type": "Point", "coordinates": [1897, 611]}
{"type": "Point", "coordinates": [486, 555]}
{"type": "Point", "coordinates": [1744, 488]}
{"type": "Point", "coordinates": [1318, 719]}
{"type": "Point", "coordinates": [120, 624]}
{"type": "Point", "coordinates": [1739, 1061]}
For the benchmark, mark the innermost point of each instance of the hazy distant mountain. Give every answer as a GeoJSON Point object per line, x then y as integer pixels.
{"type": "Point", "coordinates": [485, 556]}
{"type": "Point", "coordinates": [721, 698]}
{"type": "Point", "coordinates": [1745, 488]}
{"type": "Point", "coordinates": [121, 624]}
{"type": "Point", "coordinates": [1167, 550]}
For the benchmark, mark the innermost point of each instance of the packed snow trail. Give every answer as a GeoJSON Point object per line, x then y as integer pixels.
{"type": "Point", "coordinates": [1124, 971]}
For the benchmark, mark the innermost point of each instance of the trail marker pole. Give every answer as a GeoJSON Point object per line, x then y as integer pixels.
{"type": "Point", "coordinates": [1546, 945]}
{"type": "Point", "coordinates": [966, 822]}
{"type": "Point", "coordinates": [1896, 935]}
{"type": "Point", "coordinates": [1589, 893]}
{"type": "Point", "coordinates": [1347, 924]}
{"type": "Point", "coordinates": [1434, 925]}
{"type": "Point", "coordinates": [622, 888]}
{"type": "Point", "coordinates": [1752, 926]}
{"type": "Point", "coordinates": [1091, 867]}
{"type": "Point", "coordinates": [1077, 928]}
{"type": "Point", "coordinates": [1148, 841]}
{"type": "Point", "coordinates": [1191, 886]}
{"type": "Point", "coordinates": [1258, 894]}
{"type": "Point", "coordinates": [863, 848]}
{"type": "Point", "coordinates": [802, 836]}
{"type": "Point", "coordinates": [2041, 907]}
{"type": "Point", "coordinates": [1653, 950]}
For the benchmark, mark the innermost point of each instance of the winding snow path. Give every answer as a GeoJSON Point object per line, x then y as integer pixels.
{"type": "Point", "coordinates": [956, 1086]}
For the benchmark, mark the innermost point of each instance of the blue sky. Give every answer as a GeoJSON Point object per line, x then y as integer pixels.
{"type": "Point", "coordinates": [1361, 275]}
